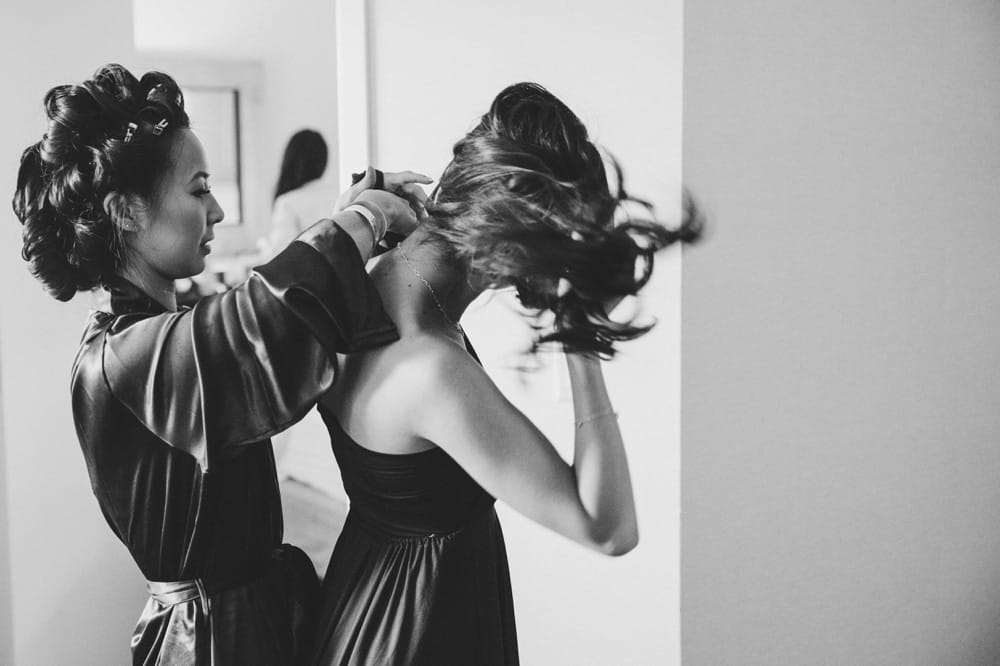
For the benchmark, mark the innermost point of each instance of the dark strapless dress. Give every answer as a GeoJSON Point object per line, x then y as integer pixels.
{"type": "Point", "coordinates": [419, 574]}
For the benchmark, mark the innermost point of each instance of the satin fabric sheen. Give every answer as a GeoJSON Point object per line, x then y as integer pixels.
{"type": "Point", "coordinates": [419, 575]}
{"type": "Point", "coordinates": [173, 413]}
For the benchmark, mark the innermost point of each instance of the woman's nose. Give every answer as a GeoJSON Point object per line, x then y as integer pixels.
{"type": "Point", "coordinates": [215, 212]}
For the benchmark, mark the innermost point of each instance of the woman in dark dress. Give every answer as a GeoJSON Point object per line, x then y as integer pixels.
{"type": "Point", "coordinates": [174, 407]}
{"type": "Point", "coordinates": [424, 438]}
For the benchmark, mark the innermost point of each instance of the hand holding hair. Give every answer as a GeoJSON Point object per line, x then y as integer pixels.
{"type": "Point", "coordinates": [405, 184]}
{"type": "Point", "coordinates": [398, 215]}
{"type": "Point", "coordinates": [402, 183]}
{"type": "Point", "coordinates": [367, 219]}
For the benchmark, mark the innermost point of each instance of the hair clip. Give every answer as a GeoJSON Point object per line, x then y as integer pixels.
{"type": "Point", "coordinates": [130, 132]}
{"type": "Point", "coordinates": [159, 127]}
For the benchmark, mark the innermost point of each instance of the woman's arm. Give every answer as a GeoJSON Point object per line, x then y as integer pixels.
{"type": "Point", "coordinates": [243, 365]}
{"type": "Point", "coordinates": [589, 501]}
{"type": "Point", "coordinates": [601, 467]}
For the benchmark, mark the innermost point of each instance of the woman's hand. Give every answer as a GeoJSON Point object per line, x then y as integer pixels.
{"type": "Point", "coordinates": [397, 213]}
{"type": "Point", "coordinates": [388, 213]}
{"type": "Point", "coordinates": [405, 184]}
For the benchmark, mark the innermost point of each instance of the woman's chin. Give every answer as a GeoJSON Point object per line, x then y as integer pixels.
{"type": "Point", "coordinates": [197, 267]}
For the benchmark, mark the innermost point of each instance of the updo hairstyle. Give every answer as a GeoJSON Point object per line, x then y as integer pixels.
{"type": "Point", "coordinates": [108, 138]}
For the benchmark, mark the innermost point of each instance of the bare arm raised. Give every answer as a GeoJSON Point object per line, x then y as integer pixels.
{"type": "Point", "coordinates": [589, 501]}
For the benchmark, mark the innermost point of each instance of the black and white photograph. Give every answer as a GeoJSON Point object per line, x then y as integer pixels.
{"type": "Point", "coordinates": [388, 333]}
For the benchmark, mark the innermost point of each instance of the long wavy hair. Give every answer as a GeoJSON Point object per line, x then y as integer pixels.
{"type": "Point", "coordinates": [526, 202]}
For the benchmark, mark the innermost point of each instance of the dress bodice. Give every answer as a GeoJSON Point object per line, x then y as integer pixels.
{"type": "Point", "coordinates": [406, 495]}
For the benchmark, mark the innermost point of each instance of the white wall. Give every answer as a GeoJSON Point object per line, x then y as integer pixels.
{"type": "Point", "coordinates": [6, 599]}
{"type": "Point", "coordinates": [841, 478]}
{"type": "Point", "coordinates": [74, 593]}
{"type": "Point", "coordinates": [435, 72]}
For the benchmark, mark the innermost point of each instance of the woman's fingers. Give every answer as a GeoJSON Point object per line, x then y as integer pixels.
{"type": "Point", "coordinates": [414, 195]}
{"type": "Point", "coordinates": [367, 181]}
{"type": "Point", "coordinates": [398, 178]}
{"type": "Point", "coordinates": [399, 213]}
{"type": "Point", "coordinates": [415, 192]}
{"type": "Point", "coordinates": [351, 193]}
{"type": "Point", "coordinates": [405, 184]}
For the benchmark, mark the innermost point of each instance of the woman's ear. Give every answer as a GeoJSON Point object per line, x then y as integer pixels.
{"type": "Point", "coordinates": [125, 211]}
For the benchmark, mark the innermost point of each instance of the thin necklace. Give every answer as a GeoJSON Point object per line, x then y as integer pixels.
{"type": "Point", "coordinates": [455, 325]}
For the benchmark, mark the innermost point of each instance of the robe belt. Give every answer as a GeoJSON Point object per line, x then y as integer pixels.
{"type": "Point", "coordinates": [177, 592]}
{"type": "Point", "coordinates": [171, 593]}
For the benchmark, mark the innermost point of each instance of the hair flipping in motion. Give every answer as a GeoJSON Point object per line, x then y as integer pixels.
{"type": "Point", "coordinates": [108, 138]}
{"type": "Point", "coordinates": [526, 202]}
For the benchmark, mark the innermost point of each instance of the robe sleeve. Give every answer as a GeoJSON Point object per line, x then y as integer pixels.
{"type": "Point", "coordinates": [243, 365]}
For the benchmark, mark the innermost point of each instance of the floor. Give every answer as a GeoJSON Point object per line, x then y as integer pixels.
{"type": "Point", "coordinates": [313, 521]}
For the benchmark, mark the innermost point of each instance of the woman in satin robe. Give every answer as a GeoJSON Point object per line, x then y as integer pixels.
{"type": "Point", "coordinates": [174, 407]}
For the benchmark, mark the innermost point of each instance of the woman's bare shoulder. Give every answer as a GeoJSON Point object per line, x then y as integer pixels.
{"type": "Point", "coordinates": [433, 355]}
{"type": "Point", "coordinates": [425, 364]}
{"type": "Point", "coordinates": [411, 374]}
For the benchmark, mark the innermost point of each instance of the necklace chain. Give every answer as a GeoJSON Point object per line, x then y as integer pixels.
{"type": "Point", "coordinates": [430, 289]}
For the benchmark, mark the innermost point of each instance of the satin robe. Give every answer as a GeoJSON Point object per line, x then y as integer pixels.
{"type": "Point", "coordinates": [174, 411]}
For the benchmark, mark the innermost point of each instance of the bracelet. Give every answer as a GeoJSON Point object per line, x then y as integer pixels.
{"type": "Point", "coordinates": [381, 215]}
{"type": "Point", "coordinates": [594, 417]}
{"type": "Point", "coordinates": [370, 219]}
{"type": "Point", "coordinates": [368, 216]}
